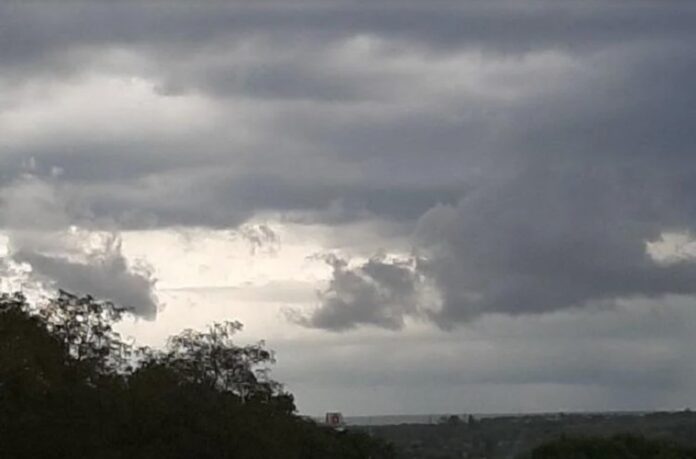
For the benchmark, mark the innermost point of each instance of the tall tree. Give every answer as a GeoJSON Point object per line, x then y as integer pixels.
{"type": "Point", "coordinates": [212, 358]}
{"type": "Point", "coordinates": [85, 326]}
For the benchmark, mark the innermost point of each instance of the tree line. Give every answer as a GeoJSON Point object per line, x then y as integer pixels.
{"type": "Point", "coordinates": [622, 446]}
{"type": "Point", "coordinates": [72, 387]}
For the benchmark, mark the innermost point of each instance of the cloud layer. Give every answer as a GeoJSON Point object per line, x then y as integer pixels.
{"type": "Point", "coordinates": [530, 150]}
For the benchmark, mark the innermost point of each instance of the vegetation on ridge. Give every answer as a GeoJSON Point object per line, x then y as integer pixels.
{"type": "Point", "coordinates": [71, 387]}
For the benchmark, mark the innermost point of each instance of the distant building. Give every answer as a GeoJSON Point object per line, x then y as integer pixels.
{"type": "Point", "coordinates": [335, 420]}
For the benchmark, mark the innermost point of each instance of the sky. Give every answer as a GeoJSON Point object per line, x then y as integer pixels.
{"type": "Point", "coordinates": [422, 207]}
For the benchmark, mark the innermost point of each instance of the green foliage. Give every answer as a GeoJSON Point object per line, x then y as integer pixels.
{"type": "Point", "coordinates": [71, 388]}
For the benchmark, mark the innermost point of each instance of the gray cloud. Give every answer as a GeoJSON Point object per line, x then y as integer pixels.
{"type": "Point", "coordinates": [378, 292]}
{"type": "Point", "coordinates": [37, 30]}
{"type": "Point", "coordinates": [358, 111]}
{"type": "Point", "coordinates": [527, 151]}
{"type": "Point", "coordinates": [106, 275]}
{"type": "Point", "coordinates": [536, 146]}
{"type": "Point", "coordinates": [545, 242]}
{"type": "Point", "coordinates": [37, 222]}
{"type": "Point", "coordinates": [579, 178]}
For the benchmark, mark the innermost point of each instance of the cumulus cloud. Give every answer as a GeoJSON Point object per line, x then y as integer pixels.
{"type": "Point", "coordinates": [547, 242]}
{"type": "Point", "coordinates": [541, 241]}
{"type": "Point", "coordinates": [104, 273]}
{"type": "Point", "coordinates": [379, 292]}
{"type": "Point", "coordinates": [40, 233]}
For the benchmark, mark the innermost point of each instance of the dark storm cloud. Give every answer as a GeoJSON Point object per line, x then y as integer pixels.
{"type": "Point", "coordinates": [590, 174]}
{"type": "Point", "coordinates": [219, 202]}
{"type": "Point", "coordinates": [537, 146]}
{"type": "Point", "coordinates": [35, 216]}
{"type": "Point", "coordinates": [603, 173]}
{"type": "Point", "coordinates": [378, 292]}
{"type": "Point", "coordinates": [546, 241]}
{"type": "Point", "coordinates": [37, 30]}
{"type": "Point", "coordinates": [108, 277]}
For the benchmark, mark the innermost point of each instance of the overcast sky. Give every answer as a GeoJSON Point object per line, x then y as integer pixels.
{"type": "Point", "coordinates": [422, 206]}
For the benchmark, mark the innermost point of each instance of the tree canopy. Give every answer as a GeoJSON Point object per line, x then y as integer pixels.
{"type": "Point", "coordinates": [71, 387]}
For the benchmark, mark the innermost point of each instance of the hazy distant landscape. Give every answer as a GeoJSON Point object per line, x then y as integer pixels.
{"type": "Point", "coordinates": [437, 418]}
{"type": "Point", "coordinates": [516, 436]}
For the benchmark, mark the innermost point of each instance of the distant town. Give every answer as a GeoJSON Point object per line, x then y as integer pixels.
{"type": "Point", "coordinates": [513, 436]}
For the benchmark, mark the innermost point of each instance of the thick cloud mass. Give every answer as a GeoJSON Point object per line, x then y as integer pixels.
{"type": "Point", "coordinates": [36, 222]}
{"type": "Point", "coordinates": [532, 149]}
{"type": "Point", "coordinates": [107, 276]}
{"type": "Point", "coordinates": [546, 241]}
{"type": "Point", "coordinates": [378, 292]}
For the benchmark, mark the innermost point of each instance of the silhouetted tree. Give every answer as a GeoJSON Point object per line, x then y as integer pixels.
{"type": "Point", "coordinates": [212, 358]}
{"type": "Point", "coordinates": [85, 325]}
{"type": "Point", "coordinates": [70, 387]}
